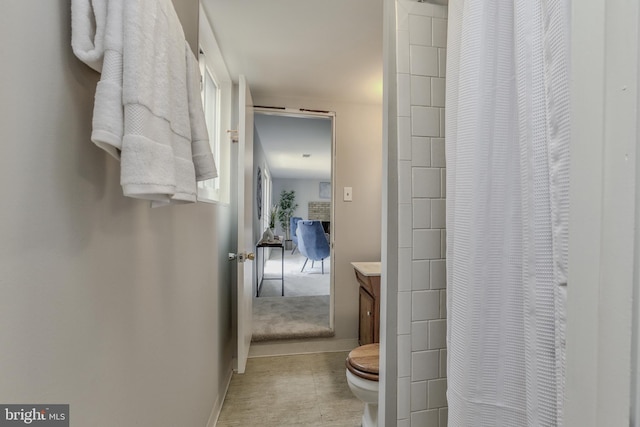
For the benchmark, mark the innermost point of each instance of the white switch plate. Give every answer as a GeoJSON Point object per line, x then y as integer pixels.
{"type": "Point", "coordinates": [348, 194]}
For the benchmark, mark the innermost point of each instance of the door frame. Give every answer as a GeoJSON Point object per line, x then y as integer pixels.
{"type": "Point", "coordinates": [304, 113]}
{"type": "Point", "coordinates": [244, 230]}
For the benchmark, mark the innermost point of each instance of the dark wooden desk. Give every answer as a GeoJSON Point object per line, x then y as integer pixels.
{"type": "Point", "coordinates": [269, 244]}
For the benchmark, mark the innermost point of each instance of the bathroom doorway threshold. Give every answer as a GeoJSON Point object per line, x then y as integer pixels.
{"type": "Point", "coordinates": [303, 346]}
{"type": "Point", "coordinates": [300, 317]}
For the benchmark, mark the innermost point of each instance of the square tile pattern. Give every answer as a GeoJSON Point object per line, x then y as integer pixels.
{"type": "Point", "coordinates": [302, 390]}
{"type": "Point", "coordinates": [422, 326]}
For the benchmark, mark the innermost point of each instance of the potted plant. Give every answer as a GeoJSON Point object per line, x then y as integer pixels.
{"type": "Point", "coordinates": [286, 208]}
{"type": "Point", "coordinates": [269, 232]}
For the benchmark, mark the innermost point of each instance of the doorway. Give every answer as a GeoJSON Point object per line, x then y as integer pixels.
{"type": "Point", "coordinates": [293, 155]}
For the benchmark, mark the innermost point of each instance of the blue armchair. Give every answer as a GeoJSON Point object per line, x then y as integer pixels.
{"type": "Point", "coordinates": [293, 225]}
{"type": "Point", "coordinates": [312, 242]}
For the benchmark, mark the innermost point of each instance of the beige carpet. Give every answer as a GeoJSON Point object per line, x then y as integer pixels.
{"type": "Point", "coordinates": [304, 310]}
{"type": "Point", "coordinates": [297, 283]}
{"type": "Point", "coordinates": [278, 318]}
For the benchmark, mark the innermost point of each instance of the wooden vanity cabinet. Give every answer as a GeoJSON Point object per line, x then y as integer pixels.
{"type": "Point", "coordinates": [368, 276]}
{"type": "Point", "coordinates": [369, 321]}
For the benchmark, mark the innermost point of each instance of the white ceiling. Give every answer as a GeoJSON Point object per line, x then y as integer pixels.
{"type": "Point", "coordinates": [285, 139]}
{"type": "Point", "coordinates": [324, 49]}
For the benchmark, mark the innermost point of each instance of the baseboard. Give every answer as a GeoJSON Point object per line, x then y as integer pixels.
{"type": "Point", "coordinates": [282, 348]}
{"type": "Point", "coordinates": [217, 406]}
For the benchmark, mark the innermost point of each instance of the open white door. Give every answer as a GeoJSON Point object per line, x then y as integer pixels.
{"type": "Point", "coordinates": [245, 223]}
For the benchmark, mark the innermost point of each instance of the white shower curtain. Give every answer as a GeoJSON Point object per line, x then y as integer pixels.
{"type": "Point", "coordinates": [507, 124]}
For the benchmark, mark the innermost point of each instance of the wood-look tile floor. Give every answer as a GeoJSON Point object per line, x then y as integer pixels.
{"type": "Point", "coordinates": [301, 390]}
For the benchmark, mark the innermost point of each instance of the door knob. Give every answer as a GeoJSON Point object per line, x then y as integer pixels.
{"type": "Point", "coordinates": [241, 257]}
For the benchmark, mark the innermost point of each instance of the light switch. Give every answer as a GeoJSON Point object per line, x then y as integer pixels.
{"type": "Point", "coordinates": [348, 194]}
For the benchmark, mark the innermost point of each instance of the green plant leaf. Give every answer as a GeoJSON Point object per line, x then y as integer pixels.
{"type": "Point", "coordinates": [286, 208]}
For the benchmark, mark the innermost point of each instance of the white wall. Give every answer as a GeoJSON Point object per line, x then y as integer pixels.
{"type": "Point", "coordinates": [420, 191]}
{"type": "Point", "coordinates": [307, 190]}
{"type": "Point", "coordinates": [357, 224]}
{"type": "Point", "coordinates": [189, 13]}
{"type": "Point", "coordinates": [603, 263]}
{"type": "Point", "coordinates": [387, 397]}
{"type": "Point", "coordinates": [259, 161]}
{"type": "Point", "coordinates": [118, 309]}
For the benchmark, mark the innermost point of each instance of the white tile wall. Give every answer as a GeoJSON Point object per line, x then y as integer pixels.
{"type": "Point", "coordinates": [425, 305]}
{"type": "Point", "coordinates": [423, 60]}
{"type": "Point", "coordinates": [437, 393]}
{"type": "Point", "coordinates": [420, 30]}
{"type": "Point", "coordinates": [404, 355]}
{"type": "Point", "coordinates": [444, 417]}
{"type": "Point", "coordinates": [425, 121]}
{"type": "Point", "coordinates": [420, 90]}
{"type": "Point", "coordinates": [442, 62]}
{"type": "Point", "coordinates": [404, 269]}
{"type": "Point", "coordinates": [425, 182]}
{"type": "Point", "coordinates": [419, 342]}
{"type": "Point", "coordinates": [438, 330]}
{"type": "Point", "coordinates": [404, 94]}
{"type": "Point", "coordinates": [439, 27]}
{"type": "Point", "coordinates": [438, 277]}
{"type": "Point", "coordinates": [425, 365]}
{"type": "Point", "coordinates": [443, 363]}
{"type": "Point", "coordinates": [403, 60]}
{"type": "Point", "coordinates": [404, 397]}
{"type": "Point", "coordinates": [438, 217]}
{"type": "Point", "coordinates": [404, 138]}
{"type": "Point", "coordinates": [421, 151]}
{"type": "Point", "coordinates": [418, 396]}
{"type": "Point", "coordinates": [437, 152]}
{"type": "Point", "coordinates": [405, 234]}
{"type": "Point", "coordinates": [425, 418]}
{"type": "Point", "coordinates": [422, 325]}
{"type": "Point", "coordinates": [420, 276]}
{"type": "Point", "coordinates": [405, 181]}
{"type": "Point", "coordinates": [426, 244]}
{"type": "Point", "coordinates": [437, 92]}
{"type": "Point", "coordinates": [422, 213]}
{"type": "Point", "coordinates": [404, 315]}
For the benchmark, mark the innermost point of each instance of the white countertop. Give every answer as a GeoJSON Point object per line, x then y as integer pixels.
{"type": "Point", "coordinates": [368, 268]}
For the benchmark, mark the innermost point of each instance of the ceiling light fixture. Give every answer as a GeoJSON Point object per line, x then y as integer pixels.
{"type": "Point", "coordinates": [306, 155]}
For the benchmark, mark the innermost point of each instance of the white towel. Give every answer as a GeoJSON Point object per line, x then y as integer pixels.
{"type": "Point", "coordinates": [100, 47]}
{"type": "Point", "coordinates": [87, 38]}
{"type": "Point", "coordinates": [147, 104]}
{"type": "Point", "coordinates": [156, 148]}
{"type": "Point", "coordinates": [202, 158]}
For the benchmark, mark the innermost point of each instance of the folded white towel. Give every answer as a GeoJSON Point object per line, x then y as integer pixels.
{"type": "Point", "coordinates": [147, 110]}
{"type": "Point", "coordinates": [203, 163]}
{"type": "Point", "coordinates": [157, 132]}
{"type": "Point", "coordinates": [99, 46]}
{"type": "Point", "coordinates": [88, 18]}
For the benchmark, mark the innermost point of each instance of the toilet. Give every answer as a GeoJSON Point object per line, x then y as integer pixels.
{"type": "Point", "coordinates": [362, 376]}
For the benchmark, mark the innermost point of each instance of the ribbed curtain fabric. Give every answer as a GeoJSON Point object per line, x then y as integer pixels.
{"type": "Point", "coordinates": [507, 148]}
